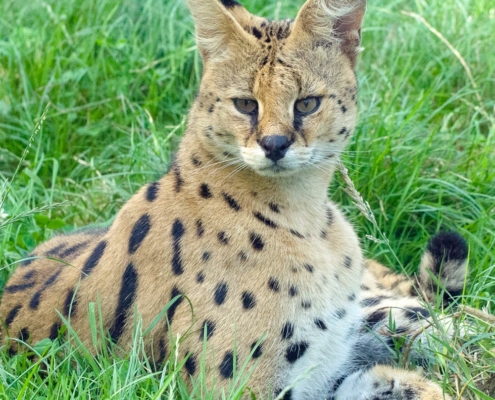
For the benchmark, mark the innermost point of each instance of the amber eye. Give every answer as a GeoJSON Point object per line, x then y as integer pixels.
{"type": "Point", "coordinates": [246, 106]}
{"type": "Point", "coordinates": [307, 106]}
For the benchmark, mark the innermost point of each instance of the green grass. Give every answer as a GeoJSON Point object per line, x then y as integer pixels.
{"type": "Point", "coordinates": [119, 76]}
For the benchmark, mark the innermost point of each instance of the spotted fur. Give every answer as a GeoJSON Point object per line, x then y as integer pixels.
{"type": "Point", "coordinates": [245, 231]}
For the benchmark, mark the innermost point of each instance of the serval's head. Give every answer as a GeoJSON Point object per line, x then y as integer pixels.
{"type": "Point", "coordinates": [277, 96]}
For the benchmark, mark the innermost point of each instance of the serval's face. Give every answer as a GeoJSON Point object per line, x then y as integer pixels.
{"type": "Point", "coordinates": [276, 96]}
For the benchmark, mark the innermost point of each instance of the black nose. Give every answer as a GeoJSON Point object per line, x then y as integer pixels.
{"type": "Point", "coordinates": [275, 146]}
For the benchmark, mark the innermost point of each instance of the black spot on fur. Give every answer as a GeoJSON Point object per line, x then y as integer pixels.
{"type": "Point", "coordinates": [347, 262]}
{"type": "Point", "coordinates": [29, 275]}
{"type": "Point", "coordinates": [223, 238]}
{"type": "Point", "coordinates": [127, 295]}
{"type": "Point", "coordinates": [341, 313]}
{"type": "Point", "coordinates": [329, 216]}
{"type": "Point", "coordinates": [309, 268]}
{"type": "Point", "coordinates": [274, 207]}
{"type": "Point", "coordinates": [209, 326]}
{"type": "Point", "coordinates": [190, 364]}
{"type": "Point", "coordinates": [409, 394]}
{"type": "Point", "coordinates": [287, 331]}
{"type": "Point", "coordinates": [70, 304]}
{"type": "Point", "coordinates": [139, 232]}
{"type": "Point", "coordinates": [152, 191]}
{"type": "Point", "coordinates": [256, 33]}
{"type": "Point", "coordinates": [221, 293]}
{"type": "Point", "coordinates": [248, 300]}
{"type": "Point", "coordinates": [177, 233]}
{"type": "Point", "coordinates": [54, 330]}
{"type": "Point", "coordinates": [306, 304]}
{"type": "Point", "coordinates": [162, 351]}
{"type": "Point", "coordinates": [243, 256]}
{"type": "Point", "coordinates": [323, 234]}
{"type": "Point", "coordinates": [227, 365]}
{"type": "Point", "coordinates": [206, 256]}
{"type": "Point", "coordinates": [204, 191]}
{"type": "Point", "coordinates": [447, 246]}
{"type": "Point", "coordinates": [296, 351]}
{"type": "Point", "coordinates": [364, 287]}
{"type": "Point", "coordinates": [25, 263]}
{"type": "Point", "coordinates": [337, 384]}
{"type": "Point", "coordinates": [256, 241]}
{"type": "Point", "coordinates": [18, 288]}
{"type": "Point", "coordinates": [296, 234]}
{"type": "Point", "coordinates": [196, 162]}
{"type": "Point", "coordinates": [414, 313]}
{"type": "Point", "coordinates": [179, 182]}
{"type": "Point", "coordinates": [293, 291]}
{"type": "Point", "coordinates": [12, 314]}
{"type": "Point", "coordinates": [231, 202]}
{"type": "Point", "coordinates": [274, 284]}
{"type": "Point", "coordinates": [74, 249]}
{"type": "Point", "coordinates": [344, 109]}
{"type": "Point", "coordinates": [342, 131]}
{"type": "Point", "coordinates": [212, 108]}
{"type": "Point", "coordinates": [351, 297]}
{"type": "Point", "coordinates": [371, 301]}
{"type": "Point", "coordinates": [320, 324]}
{"type": "Point", "coordinates": [35, 300]}
{"type": "Point", "coordinates": [200, 277]}
{"type": "Point", "coordinates": [94, 257]}
{"type": "Point", "coordinates": [265, 220]}
{"type": "Point", "coordinates": [55, 250]}
{"type": "Point", "coordinates": [200, 230]}
{"type": "Point", "coordinates": [24, 334]}
{"type": "Point", "coordinates": [173, 308]}
{"type": "Point", "coordinates": [230, 3]}
{"type": "Point", "coordinates": [450, 294]}
{"type": "Point", "coordinates": [258, 349]}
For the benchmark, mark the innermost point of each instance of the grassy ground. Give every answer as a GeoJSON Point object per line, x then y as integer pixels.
{"type": "Point", "coordinates": [119, 77]}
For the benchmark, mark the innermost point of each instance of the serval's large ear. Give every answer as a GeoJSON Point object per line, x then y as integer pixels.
{"type": "Point", "coordinates": [332, 22]}
{"type": "Point", "coordinates": [218, 28]}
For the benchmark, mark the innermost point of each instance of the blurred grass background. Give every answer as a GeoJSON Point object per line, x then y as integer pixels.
{"type": "Point", "coordinates": [119, 77]}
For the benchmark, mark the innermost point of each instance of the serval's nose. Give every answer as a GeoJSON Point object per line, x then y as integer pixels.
{"type": "Point", "coordinates": [275, 146]}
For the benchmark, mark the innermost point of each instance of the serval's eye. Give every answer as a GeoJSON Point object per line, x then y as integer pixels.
{"type": "Point", "coordinates": [307, 106]}
{"type": "Point", "coordinates": [246, 106]}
